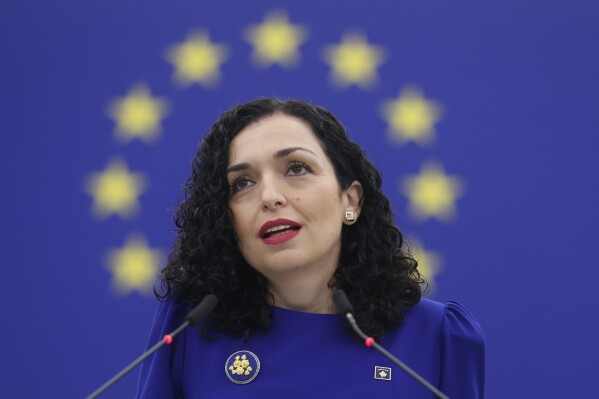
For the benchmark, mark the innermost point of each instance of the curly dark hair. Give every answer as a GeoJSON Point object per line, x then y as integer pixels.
{"type": "Point", "coordinates": [375, 270]}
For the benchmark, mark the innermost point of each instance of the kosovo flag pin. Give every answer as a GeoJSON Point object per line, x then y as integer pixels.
{"type": "Point", "coordinates": [382, 373]}
{"type": "Point", "coordinates": [242, 367]}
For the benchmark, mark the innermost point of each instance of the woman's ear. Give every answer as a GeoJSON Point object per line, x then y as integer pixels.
{"type": "Point", "coordinates": [352, 197]}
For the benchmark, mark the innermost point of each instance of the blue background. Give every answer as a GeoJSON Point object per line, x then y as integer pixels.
{"type": "Point", "coordinates": [518, 82]}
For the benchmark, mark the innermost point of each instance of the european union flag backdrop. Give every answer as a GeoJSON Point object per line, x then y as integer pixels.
{"type": "Point", "coordinates": [482, 117]}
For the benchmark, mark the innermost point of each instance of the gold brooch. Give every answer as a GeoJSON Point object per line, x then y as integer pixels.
{"type": "Point", "coordinates": [242, 367]}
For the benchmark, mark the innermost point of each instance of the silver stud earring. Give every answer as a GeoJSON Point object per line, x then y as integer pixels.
{"type": "Point", "coordinates": [349, 216]}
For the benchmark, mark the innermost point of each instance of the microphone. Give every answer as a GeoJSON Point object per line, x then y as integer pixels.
{"type": "Point", "coordinates": [206, 306]}
{"type": "Point", "coordinates": [202, 310]}
{"type": "Point", "coordinates": [347, 312]}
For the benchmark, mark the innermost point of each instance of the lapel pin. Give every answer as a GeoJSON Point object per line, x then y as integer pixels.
{"type": "Point", "coordinates": [382, 373]}
{"type": "Point", "coordinates": [242, 367]}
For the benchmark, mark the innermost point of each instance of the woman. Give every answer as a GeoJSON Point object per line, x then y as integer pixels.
{"type": "Point", "coordinates": [281, 209]}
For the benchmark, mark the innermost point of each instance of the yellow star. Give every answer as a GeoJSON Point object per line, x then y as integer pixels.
{"type": "Point", "coordinates": [354, 61]}
{"type": "Point", "coordinates": [432, 193]}
{"type": "Point", "coordinates": [138, 115]}
{"type": "Point", "coordinates": [276, 41]}
{"type": "Point", "coordinates": [429, 262]}
{"type": "Point", "coordinates": [197, 60]}
{"type": "Point", "coordinates": [411, 117]}
{"type": "Point", "coordinates": [115, 190]}
{"type": "Point", "coordinates": [134, 266]}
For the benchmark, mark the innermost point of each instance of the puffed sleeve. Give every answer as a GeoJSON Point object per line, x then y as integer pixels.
{"type": "Point", "coordinates": [463, 368]}
{"type": "Point", "coordinates": [158, 376]}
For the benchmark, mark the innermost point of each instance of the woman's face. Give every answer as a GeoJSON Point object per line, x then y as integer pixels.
{"type": "Point", "coordinates": [287, 207]}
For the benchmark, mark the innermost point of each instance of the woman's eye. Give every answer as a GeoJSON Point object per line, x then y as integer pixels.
{"type": "Point", "coordinates": [298, 169]}
{"type": "Point", "coordinates": [240, 183]}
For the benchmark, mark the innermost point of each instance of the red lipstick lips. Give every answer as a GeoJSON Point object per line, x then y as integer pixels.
{"type": "Point", "coordinates": [278, 231]}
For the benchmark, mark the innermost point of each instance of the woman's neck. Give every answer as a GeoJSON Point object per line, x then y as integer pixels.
{"type": "Point", "coordinates": [302, 296]}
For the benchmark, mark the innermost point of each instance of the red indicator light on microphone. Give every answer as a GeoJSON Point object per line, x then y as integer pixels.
{"type": "Point", "coordinates": [168, 339]}
{"type": "Point", "coordinates": [369, 341]}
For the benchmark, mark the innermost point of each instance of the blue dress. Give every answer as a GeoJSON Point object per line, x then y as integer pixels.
{"type": "Point", "coordinates": [306, 355]}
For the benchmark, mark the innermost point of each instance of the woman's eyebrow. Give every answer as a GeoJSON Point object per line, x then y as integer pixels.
{"type": "Point", "coordinates": [286, 151]}
{"type": "Point", "coordinates": [238, 167]}
{"type": "Point", "coordinates": [277, 155]}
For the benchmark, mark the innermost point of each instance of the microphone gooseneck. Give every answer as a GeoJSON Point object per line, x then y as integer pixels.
{"type": "Point", "coordinates": [346, 310]}
{"type": "Point", "coordinates": [202, 310]}
{"type": "Point", "coordinates": [343, 305]}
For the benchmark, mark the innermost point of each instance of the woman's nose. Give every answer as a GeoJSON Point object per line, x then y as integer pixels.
{"type": "Point", "coordinates": [272, 195]}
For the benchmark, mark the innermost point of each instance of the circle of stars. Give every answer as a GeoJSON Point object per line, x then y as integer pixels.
{"type": "Point", "coordinates": [354, 61]}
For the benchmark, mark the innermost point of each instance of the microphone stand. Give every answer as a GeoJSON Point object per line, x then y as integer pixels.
{"type": "Point", "coordinates": [206, 306]}
{"type": "Point", "coordinates": [167, 339]}
{"type": "Point", "coordinates": [370, 342]}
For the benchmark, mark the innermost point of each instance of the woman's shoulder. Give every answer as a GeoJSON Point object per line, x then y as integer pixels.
{"type": "Point", "coordinates": [170, 314]}
{"type": "Point", "coordinates": [449, 334]}
{"type": "Point", "coordinates": [171, 311]}
{"type": "Point", "coordinates": [427, 308]}
{"type": "Point", "coordinates": [451, 318]}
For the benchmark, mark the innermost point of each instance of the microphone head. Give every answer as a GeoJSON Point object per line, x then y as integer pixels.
{"type": "Point", "coordinates": [342, 303]}
{"type": "Point", "coordinates": [202, 310]}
